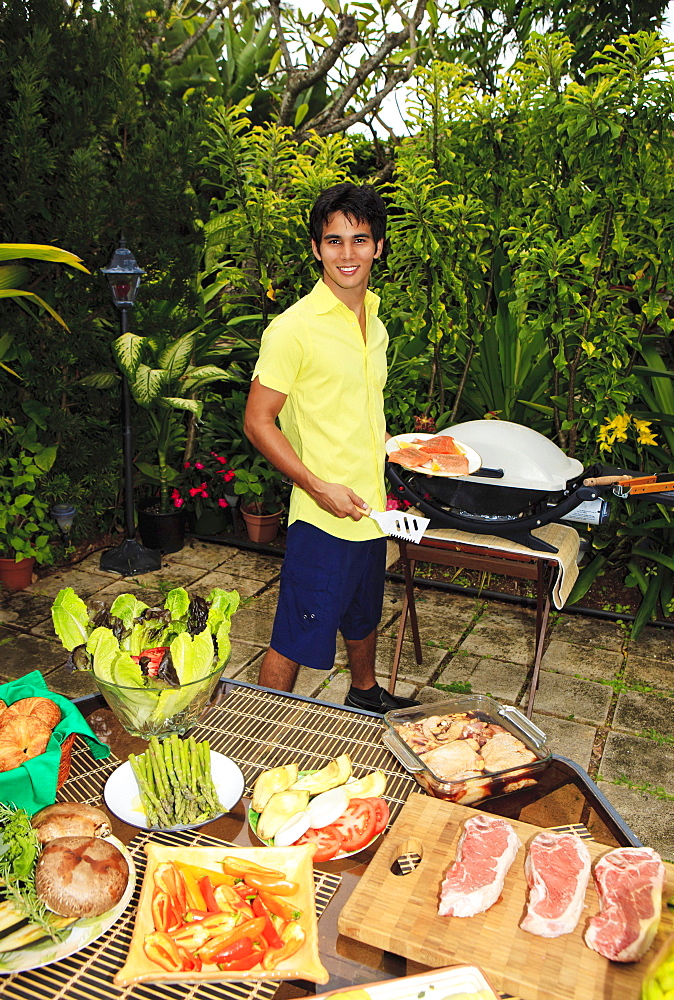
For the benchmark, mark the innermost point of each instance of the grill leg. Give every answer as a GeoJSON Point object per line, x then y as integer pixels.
{"type": "Point", "coordinates": [543, 585]}
{"type": "Point", "coordinates": [409, 606]}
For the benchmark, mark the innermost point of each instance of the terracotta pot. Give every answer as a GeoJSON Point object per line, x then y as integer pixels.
{"type": "Point", "coordinates": [16, 575]}
{"type": "Point", "coordinates": [165, 532]}
{"type": "Point", "coordinates": [261, 527]}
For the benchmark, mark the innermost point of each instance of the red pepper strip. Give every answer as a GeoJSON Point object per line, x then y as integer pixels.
{"type": "Point", "coordinates": [281, 887]}
{"type": "Point", "coordinates": [231, 952]}
{"type": "Point", "coordinates": [207, 892]}
{"type": "Point", "coordinates": [249, 929]}
{"type": "Point", "coordinates": [162, 950]}
{"type": "Point", "coordinates": [191, 961]}
{"type": "Point", "coordinates": [243, 963]}
{"type": "Point", "coordinates": [165, 915]}
{"type": "Point", "coordinates": [168, 879]}
{"type": "Point", "coordinates": [269, 933]}
{"type": "Point", "coordinates": [279, 907]}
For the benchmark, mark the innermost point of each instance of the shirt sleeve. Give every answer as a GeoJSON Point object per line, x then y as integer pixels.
{"type": "Point", "coordinates": [281, 354]}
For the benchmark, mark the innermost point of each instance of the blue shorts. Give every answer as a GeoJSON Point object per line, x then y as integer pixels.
{"type": "Point", "coordinates": [327, 584]}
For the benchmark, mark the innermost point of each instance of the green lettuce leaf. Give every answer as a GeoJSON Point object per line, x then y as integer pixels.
{"type": "Point", "coordinates": [103, 648]}
{"type": "Point", "coordinates": [177, 602]}
{"type": "Point", "coordinates": [71, 618]}
{"type": "Point", "coordinates": [127, 607]}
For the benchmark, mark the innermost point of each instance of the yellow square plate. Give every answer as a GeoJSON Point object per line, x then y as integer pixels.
{"type": "Point", "coordinates": [295, 862]}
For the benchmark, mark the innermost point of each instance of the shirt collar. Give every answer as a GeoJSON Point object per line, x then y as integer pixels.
{"type": "Point", "coordinates": [323, 299]}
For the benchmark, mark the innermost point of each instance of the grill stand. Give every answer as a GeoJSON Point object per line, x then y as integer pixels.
{"type": "Point", "coordinates": [468, 556]}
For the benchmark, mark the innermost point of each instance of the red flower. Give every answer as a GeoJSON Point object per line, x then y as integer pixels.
{"type": "Point", "coordinates": [187, 465]}
{"type": "Point", "coordinates": [228, 476]}
{"type": "Point", "coordinates": [178, 501]}
{"type": "Point", "coordinates": [199, 465]}
{"type": "Point", "coordinates": [222, 503]}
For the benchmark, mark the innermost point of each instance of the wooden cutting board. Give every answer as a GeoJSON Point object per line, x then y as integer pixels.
{"type": "Point", "coordinates": [399, 914]}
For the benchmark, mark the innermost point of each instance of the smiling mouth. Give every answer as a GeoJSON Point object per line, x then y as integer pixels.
{"type": "Point", "coordinates": [348, 270]}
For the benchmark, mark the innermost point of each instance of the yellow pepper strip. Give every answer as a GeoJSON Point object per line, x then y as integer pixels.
{"type": "Point", "coordinates": [195, 897]}
{"type": "Point", "coordinates": [192, 936]}
{"type": "Point", "coordinates": [168, 879]}
{"type": "Point", "coordinates": [219, 922]}
{"type": "Point", "coordinates": [217, 878]}
{"type": "Point", "coordinates": [278, 887]}
{"type": "Point", "coordinates": [293, 938]}
{"type": "Point", "coordinates": [239, 866]}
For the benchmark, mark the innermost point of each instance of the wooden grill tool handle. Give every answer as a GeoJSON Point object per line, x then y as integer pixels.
{"type": "Point", "coordinates": [606, 480]}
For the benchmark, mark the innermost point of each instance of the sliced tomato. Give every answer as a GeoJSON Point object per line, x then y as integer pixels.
{"type": "Point", "coordinates": [357, 825]}
{"type": "Point", "coordinates": [381, 813]}
{"type": "Point", "coordinates": [327, 841]}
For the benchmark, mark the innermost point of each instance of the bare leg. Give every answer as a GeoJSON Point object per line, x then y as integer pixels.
{"type": "Point", "coordinates": [277, 671]}
{"type": "Point", "coordinates": [361, 653]}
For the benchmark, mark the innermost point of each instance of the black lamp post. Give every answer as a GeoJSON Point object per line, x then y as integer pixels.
{"type": "Point", "coordinates": [130, 557]}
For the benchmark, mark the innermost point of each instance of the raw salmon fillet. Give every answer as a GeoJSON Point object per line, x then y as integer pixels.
{"type": "Point", "coordinates": [411, 457]}
{"type": "Point", "coordinates": [557, 868]}
{"type": "Point", "coordinates": [629, 881]}
{"type": "Point", "coordinates": [486, 850]}
{"type": "Point", "coordinates": [443, 444]}
{"type": "Point", "coordinates": [452, 463]}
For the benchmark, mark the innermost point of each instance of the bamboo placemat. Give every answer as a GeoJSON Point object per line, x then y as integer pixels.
{"type": "Point", "coordinates": [88, 974]}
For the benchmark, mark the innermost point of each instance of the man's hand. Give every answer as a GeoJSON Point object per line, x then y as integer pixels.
{"type": "Point", "coordinates": [338, 500]}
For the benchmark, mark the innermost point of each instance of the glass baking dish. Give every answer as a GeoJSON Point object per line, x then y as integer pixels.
{"type": "Point", "coordinates": [479, 709]}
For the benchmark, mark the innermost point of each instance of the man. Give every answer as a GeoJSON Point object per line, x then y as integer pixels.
{"type": "Point", "coordinates": [322, 371]}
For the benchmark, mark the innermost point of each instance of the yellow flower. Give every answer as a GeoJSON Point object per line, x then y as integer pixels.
{"type": "Point", "coordinates": [644, 433]}
{"type": "Point", "coordinates": [621, 423]}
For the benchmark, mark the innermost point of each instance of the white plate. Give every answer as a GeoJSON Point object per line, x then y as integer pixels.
{"type": "Point", "coordinates": [122, 796]}
{"type": "Point", "coordinates": [474, 460]}
{"type": "Point", "coordinates": [82, 934]}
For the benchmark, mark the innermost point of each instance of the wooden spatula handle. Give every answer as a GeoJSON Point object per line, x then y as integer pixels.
{"type": "Point", "coordinates": [606, 480]}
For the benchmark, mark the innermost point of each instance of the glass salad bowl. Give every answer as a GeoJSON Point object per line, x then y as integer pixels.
{"type": "Point", "coordinates": [158, 709]}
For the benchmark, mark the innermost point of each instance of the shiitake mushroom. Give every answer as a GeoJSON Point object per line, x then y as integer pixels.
{"type": "Point", "coordinates": [70, 819]}
{"type": "Point", "coordinates": [81, 876]}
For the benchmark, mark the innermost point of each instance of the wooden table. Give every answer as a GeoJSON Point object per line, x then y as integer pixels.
{"type": "Point", "coordinates": [259, 729]}
{"type": "Point", "coordinates": [468, 553]}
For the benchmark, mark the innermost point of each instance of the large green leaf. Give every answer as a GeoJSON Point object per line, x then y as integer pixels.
{"type": "Point", "coordinates": [175, 358]}
{"type": "Point", "coordinates": [38, 251]}
{"type": "Point", "coordinates": [148, 385]}
{"type": "Point", "coordinates": [17, 293]}
{"type": "Point", "coordinates": [13, 275]}
{"type": "Point", "coordinates": [128, 350]}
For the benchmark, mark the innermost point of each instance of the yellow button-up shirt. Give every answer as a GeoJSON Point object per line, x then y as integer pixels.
{"type": "Point", "coordinates": [315, 354]}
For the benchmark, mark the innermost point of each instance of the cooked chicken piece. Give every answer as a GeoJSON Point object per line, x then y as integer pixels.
{"type": "Point", "coordinates": [454, 761]}
{"type": "Point", "coordinates": [503, 751]}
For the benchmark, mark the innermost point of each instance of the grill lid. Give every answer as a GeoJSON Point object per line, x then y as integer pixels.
{"type": "Point", "coordinates": [528, 459]}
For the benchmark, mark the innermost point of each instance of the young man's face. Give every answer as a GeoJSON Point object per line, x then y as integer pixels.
{"type": "Point", "coordinates": [347, 250]}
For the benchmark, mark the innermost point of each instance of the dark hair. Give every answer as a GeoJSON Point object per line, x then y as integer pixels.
{"type": "Point", "coordinates": [359, 204]}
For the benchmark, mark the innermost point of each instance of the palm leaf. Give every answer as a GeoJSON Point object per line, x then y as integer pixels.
{"type": "Point", "coordinates": [40, 251]}
{"type": "Point", "coordinates": [16, 293]}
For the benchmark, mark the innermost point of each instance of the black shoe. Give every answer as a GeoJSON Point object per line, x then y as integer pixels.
{"type": "Point", "coordinates": [376, 699]}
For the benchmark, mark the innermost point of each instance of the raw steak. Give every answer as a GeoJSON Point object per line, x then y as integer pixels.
{"type": "Point", "coordinates": [486, 849]}
{"type": "Point", "coordinates": [629, 881]}
{"type": "Point", "coordinates": [557, 870]}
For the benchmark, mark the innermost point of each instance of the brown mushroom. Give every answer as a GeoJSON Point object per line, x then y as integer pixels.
{"type": "Point", "coordinates": [70, 819]}
{"type": "Point", "coordinates": [81, 876]}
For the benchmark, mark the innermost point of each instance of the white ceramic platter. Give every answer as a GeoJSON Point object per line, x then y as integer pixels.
{"type": "Point", "coordinates": [82, 933]}
{"type": "Point", "coordinates": [396, 444]}
{"type": "Point", "coordinates": [122, 796]}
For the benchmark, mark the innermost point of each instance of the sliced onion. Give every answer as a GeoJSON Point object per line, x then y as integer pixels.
{"type": "Point", "coordinates": [292, 829]}
{"type": "Point", "coordinates": [325, 808]}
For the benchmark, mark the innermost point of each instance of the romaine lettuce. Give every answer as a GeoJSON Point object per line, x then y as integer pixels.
{"type": "Point", "coordinates": [71, 618]}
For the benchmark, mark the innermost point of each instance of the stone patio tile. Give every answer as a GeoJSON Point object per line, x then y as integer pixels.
{"type": "Point", "coordinates": [650, 818]}
{"type": "Point", "coordinates": [91, 564]}
{"type": "Point", "coordinates": [638, 711]}
{"type": "Point", "coordinates": [71, 684]}
{"type": "Point", "coordinates": [505, 640]}
{"type": "Point", "coordinates": [429, 695]}
{"type": "Point", "coordinates": [571, 698]}
{"type": "Point", "coordinates": [252, 626]}
{"type": "Point", "coordinates": [255, 566]}
{"type": "Point", "coordinates": [337, 688]}
{"type": "Point", "coordinates": [312, 683]}
{"type": "Point", "coordinates": [243, 654]}
{"type": "Point", "coordinates": [590, 632]}
{"type": "Point", "coordinates": [146, 591]}
{"type": "Point", "coordinates": [567, 739]}
{"type": "Point", "coordinates": [408, 669]}
{"type": "Point", "coordinates": [203, 555]}
{"type": "Point", "coordinates": [265, 600]}
{"type": "Point", "coordinates": [24, 609]}
{"type": "Point", "coordinates": [658, 674]}
{"type": "Point", "coordinates": [84, 584]}
{"type": "Point", "coordinates": [640, 761]}
{"type": "Point", "coordinates": [20, 654]}
{"type": "Point", "coordinates": [171, 574]}
{"type": "Point", "coordinates": [455, 604]}
{"type": "Point", "coordinates": [498, 678]}
{"type": "Point", "coordinates": [435, 628]}
{"type": "Point", "coordinates": [585, 661]}
{"type": "Point", "coordinates": [221, 578]}
{"type": "Point", "coordinates": [653, 644]}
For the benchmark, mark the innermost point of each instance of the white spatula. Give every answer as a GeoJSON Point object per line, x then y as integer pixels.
{"type": "Point", "coordinates": [409, 527]}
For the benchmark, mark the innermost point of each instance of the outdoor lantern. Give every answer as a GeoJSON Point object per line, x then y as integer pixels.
{"type": "Point", "coordinates": [130, 557]}
{"type": "Point", "coordinates": [64, 515]}
{"type": "Point", "coordinates": [124, 276]}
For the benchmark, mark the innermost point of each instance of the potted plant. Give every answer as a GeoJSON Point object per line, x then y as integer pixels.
{"type": "Point", "coordinates": [260, 487]}
{"type": "Point", "coordinates": [205, 490]}
{"type": "Point", "coordinates": [166, 383]}
{"type": "Point", "coordinates": [25, 522]}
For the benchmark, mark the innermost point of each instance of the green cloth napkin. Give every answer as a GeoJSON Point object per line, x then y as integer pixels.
{"type": "Point", "coordinates": [32, 785]}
